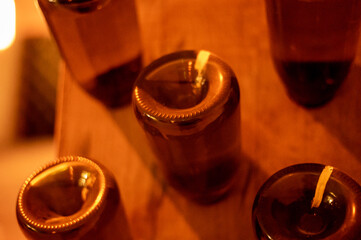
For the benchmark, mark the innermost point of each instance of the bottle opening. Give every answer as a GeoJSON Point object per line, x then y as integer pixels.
{"type": "Point", "coordinates": [284, 204]}
{"type": "Point", "coordinates": [177, 84]}
{"type": "Point", "coordinates": [62, 195]}
{"type": "Point", "coordinates": [62, 190]}
{"type": "Point", "coordinates": [183, 86]}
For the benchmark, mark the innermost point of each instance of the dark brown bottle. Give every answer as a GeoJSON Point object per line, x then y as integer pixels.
{"type": "Point", "coordinates": [191, 116]}
{"type": "Point", "coordinates": [313, 45]}
{"type": "Point", "coordinates": [283, 208]}
{"type": "Point", "coordinates": [100, 43]}
{"type": "Point", "coordinates": [71, 198]}
{"type": "Point", "coordinates": [312, 83]}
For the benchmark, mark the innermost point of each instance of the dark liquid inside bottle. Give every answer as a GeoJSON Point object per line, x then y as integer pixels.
{"type": "Point", "coordinates": [206, 185]}
{"type": "Point", "coordinates": [82, 6]}
{"type": "Point", "coordinates": [301, 221]}
{"type": "Point", "coordinates": [202, 165]}
{"type": "Point", "coordinates": [312, 83]}
{"type": "Point", "coordinates": [313, 44]}
{"type": "Point", "coordinates": [113, 88]}
{"type": "Point", "coordinates": [100, 44]}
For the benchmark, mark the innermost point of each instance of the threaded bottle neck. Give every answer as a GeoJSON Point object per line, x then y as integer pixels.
{"type": "Point", "coordinates": [62, 195]}
{"type": "Point", "coordinates": [171, 91]}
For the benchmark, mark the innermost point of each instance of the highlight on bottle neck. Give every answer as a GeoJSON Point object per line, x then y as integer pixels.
{"type": "Point", "coordinates": [62, 195]}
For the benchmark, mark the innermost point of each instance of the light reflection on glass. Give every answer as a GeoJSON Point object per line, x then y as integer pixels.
{"type": "Point", "coordinates": [353, 209]}
{"type": "Point", "coordinates": [330, 198]}
{"type": "Point", "coordinates": [83, 178]}
{"type": "Point", "coordinates": [71, 173]}
{"type": "Point", "coordinates": [86, 181]}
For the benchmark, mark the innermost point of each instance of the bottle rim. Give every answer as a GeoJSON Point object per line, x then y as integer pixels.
{"type": "Point", "coordinates": [312, 169]}
{"type": "Point", "coordinates": [147, 105]}
{"type": "Point", "coordinates": [74, 220]}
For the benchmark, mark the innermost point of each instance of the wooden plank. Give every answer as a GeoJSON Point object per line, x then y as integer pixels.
{"type": "Point", "coordinates": [275, 132]}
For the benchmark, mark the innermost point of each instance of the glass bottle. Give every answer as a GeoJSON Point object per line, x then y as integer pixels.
{"type": "Point", "coordinates": [71, 198]}
{"type": "Point", "coordinates": [313, 45]}
{"type": "Point", "coordinates": [100, 43]}
{"type": "Point", "coordinates": [284, 207]}
{"type": "Point", "coordinates": [188, 104]}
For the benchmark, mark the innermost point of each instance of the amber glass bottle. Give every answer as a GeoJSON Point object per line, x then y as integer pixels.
{"type": "Point", "coordinates": [71, 198]}
{"type": "Point", "coordinates": [313, 45]}
{"type": "Point", "coordinates": [188, 104]}
{"type": "Point", "coordinates": [284, 207]}
{"type": "Point", "coordinates": [100, 43]}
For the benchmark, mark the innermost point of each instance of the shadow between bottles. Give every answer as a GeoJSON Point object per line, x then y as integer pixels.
{"type": "Point", "coordinates": [229, 218]}
{"type": "Point", "coordinates": [342, 115]}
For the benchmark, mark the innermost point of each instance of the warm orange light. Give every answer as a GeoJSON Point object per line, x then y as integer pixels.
{"type": "Point", "coordinates": [7, 23]}
{"type": "Point", "coordinates": [353, 210]}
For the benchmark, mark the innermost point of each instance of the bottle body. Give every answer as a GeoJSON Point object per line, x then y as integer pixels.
{"type": "Point", "coordinates": [100, 43]}
{"type": "Point", "coordinates": [71, 198]}
{"type": "Point", "coordinates": [194, 129]}
{"type": "Point", "coordinates": [313, 45]}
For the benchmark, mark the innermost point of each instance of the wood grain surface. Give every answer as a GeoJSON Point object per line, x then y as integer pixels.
{"type": "Point", "coordinates": [275, 131]}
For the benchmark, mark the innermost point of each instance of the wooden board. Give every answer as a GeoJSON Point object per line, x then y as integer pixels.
{"type": "Point", "coordinates": [275, 132]}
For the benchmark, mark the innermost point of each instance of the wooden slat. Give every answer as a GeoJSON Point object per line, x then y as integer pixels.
{"type": "Point", "coordinates": [275, 132]}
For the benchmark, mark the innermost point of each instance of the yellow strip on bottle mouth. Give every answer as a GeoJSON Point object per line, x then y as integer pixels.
{"type": "Point", "coordinates": [200, 64]}
{"type": "Point", "coordinates": [321, 185]}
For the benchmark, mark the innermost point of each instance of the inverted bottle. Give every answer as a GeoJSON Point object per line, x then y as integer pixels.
{"type": "Point", "coordinates": [71, 198]}
{"type": "Point", "coordinates": [188, 104]}
{"type": "Point", "coordinates": [100, 44]}
{"type": "Point", "coordinates": [308, 201]}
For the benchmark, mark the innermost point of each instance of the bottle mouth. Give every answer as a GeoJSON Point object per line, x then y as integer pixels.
{"type": "Point", "coordinates": [62, 195]}
{"type": "Point", "coordinates": [286, 198]}
{"type": "Point", "coordinates": [172, 89]}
